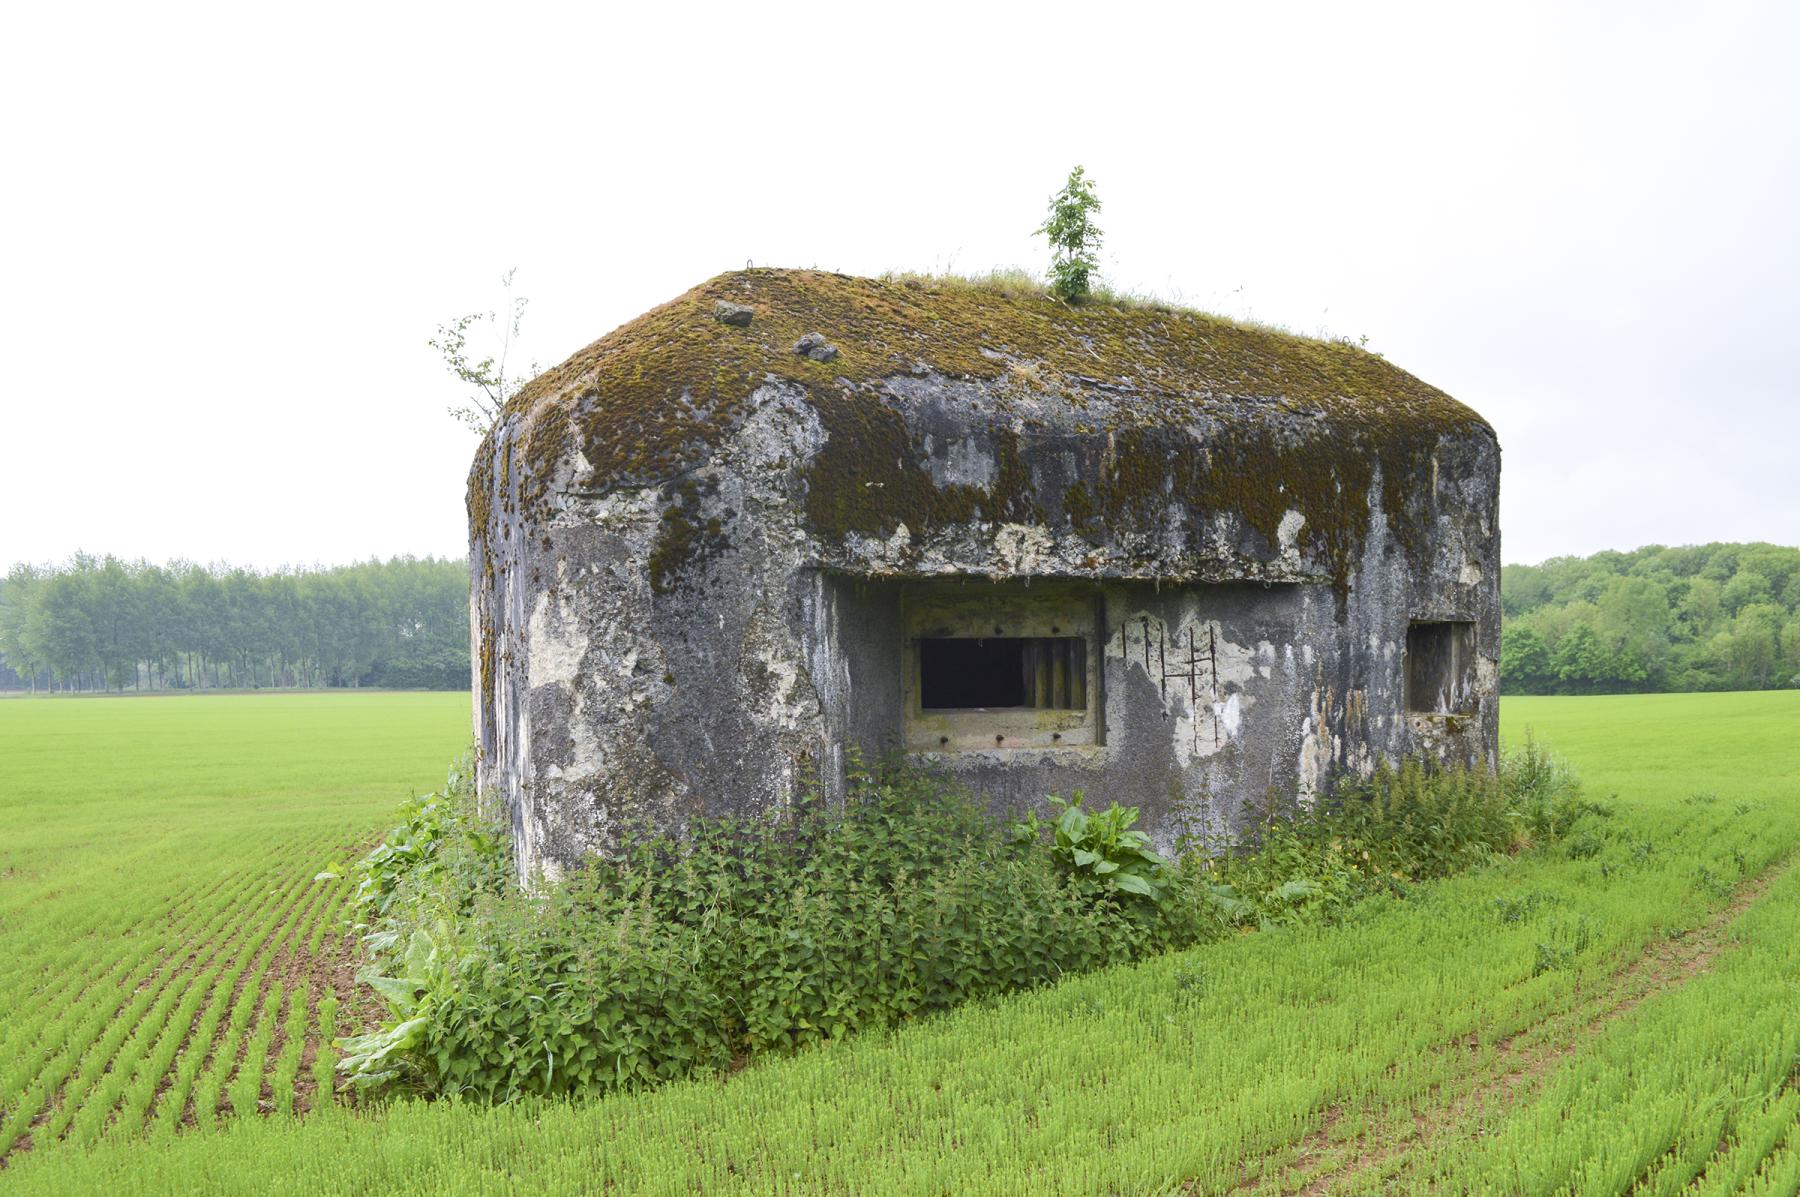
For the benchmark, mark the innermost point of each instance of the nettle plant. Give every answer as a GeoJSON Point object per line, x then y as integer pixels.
{"type": "Point", "coordinates": [440, 842]}
{"type": "Point", "coordinates": [678, 957]}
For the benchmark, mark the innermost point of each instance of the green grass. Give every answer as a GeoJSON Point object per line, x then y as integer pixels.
{"type": "Point", "coordinates": [1623, 1010]}
{"type": "Point", "coordinates": [156, 895]}
{"type": "Point", "coordinates": [1016, 282]}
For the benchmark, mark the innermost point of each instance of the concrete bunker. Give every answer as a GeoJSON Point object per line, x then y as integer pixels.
{"type": "Point", "coordinates": [1147, 554]}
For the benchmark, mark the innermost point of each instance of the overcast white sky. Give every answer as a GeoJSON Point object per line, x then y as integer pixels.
{"type": "Point", "coordinates": [227, 232]}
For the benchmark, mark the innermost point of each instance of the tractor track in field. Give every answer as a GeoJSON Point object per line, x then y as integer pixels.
{"type": "Point", "coordinates": [1524, 1060]}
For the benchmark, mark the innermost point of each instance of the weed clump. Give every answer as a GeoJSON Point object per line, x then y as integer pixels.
{"type": "Point", "coordinates": [744, 938]}
{"type": "Point", "coordinates": [1403, 826]}
{"type": "Point", "coordinates": [690, 956]}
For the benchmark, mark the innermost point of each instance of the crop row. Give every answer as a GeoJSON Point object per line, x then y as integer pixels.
{"type": "Point", "coordinates": [1124, 1080]}
{"type": "Point", "coordinates": [124, 1039]}
{"type": "Point", "coordinates": [156, 874]}
{"type": "Point", "coordinates": [201, 1043]}
{"type": "Point", "coordinates": [91, 963]}
{"type": "Point", "coordinates": [59, 1029]}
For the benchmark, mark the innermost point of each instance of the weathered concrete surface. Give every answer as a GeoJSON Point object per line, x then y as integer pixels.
{"type": "Point", "coordinates": [701, 620]}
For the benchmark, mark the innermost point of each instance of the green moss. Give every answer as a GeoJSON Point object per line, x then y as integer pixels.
{"type": "Point", "coordinates": [1078, 505]}
{"type": "Point", "coordinates": [1305, 421]}
{"type": "Point", "coordinates": [647, 399]}
{"type": "Point", "coordinates": [489, 673]}
{"type": "Point", "coordinates": [869, 477]}
{"type": "Point", "coordinates": [481, 530]}
{"type": "Point", "coordinates": [680, 542]}
{"type": "Point", "coordinates": [1259, 473]}
{"type": "Point", "coordinates": [481, 496]}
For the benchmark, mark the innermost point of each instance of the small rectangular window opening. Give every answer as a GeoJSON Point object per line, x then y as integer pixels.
{"type": "Point", "coordinates": [1040, 673]}
{"type": "Point", "coordinates": [1440, 667]}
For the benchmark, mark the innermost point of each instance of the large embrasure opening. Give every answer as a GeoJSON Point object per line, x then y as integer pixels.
{"type": "Point", "coordinates": [990, 666]}
{"type": "Point", "coordinates": [1040, 673]}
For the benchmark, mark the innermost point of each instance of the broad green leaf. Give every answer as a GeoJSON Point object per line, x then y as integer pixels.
{"type": "Point", "coordinates": [1299, 887]}
{"type": "Point", "coordinates": [1133, 884]}
{"type": "Point", "coordinates": [401, 992]}
{"type": "Point", "coordinates": [421, 954]}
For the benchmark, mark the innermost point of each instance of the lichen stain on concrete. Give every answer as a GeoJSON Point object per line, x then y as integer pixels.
{"type": "Point", "coordinates": [1320, 748]}
{"type": "Point", "coordinates": [963, 462]}
{"type": "Point", "coordinates": [1287, 533]}
{"type": "Point", "coordinates": [557, 641]}
{"type": "Point", "coordinates": [773, 676]}
{"type": "Point", "coordinates": [1021, 550]}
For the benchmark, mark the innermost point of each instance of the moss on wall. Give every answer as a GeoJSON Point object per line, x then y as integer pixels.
{"type": "Point", "coordinates": [870, 478]}
{"type": "Point", "coordinates": [481, 580]}
{"type": "Point", "coordinates": [684, 537]}
{"type": "Point", "coordinates": [1078, 505]}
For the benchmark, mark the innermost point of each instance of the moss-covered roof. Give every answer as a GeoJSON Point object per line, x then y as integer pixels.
{"type": "Point", "coordinates": [1131, 428]}
{"type": "Point", "coordinates": [652, 397]}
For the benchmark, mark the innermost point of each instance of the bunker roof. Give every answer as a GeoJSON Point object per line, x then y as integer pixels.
{"type": "Point", "coordinates": [648, 398]}
{"type": "Point", "coordinates": [1108, 420]}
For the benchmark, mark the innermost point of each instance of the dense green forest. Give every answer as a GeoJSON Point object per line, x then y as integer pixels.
{"type": "Point", "coordinates": [1702, 617]}
{"type": "Point", "coordinates": [99, 623]}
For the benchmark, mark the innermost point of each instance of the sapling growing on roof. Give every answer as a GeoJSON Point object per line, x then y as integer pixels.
{"type": "Point", "coordinates": [1074, 238]}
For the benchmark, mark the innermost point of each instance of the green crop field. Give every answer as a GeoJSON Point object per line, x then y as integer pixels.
{"type": "Point", "coordinates": [1617, 1013]}
{"type": "Point", "coordinates": [169, 961]}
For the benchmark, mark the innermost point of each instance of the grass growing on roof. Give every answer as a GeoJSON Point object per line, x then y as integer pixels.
{"type": "Point", "coordinates": [1016, 282]}
{"type": "Point", "coordinates": [1292, 423]}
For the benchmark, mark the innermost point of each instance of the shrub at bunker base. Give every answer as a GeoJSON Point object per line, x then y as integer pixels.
{"type": "Point", "coordinates": [684, 957]}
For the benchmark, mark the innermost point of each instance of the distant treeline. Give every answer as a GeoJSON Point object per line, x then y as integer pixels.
{"type": "Point", "coordinates": [99, 623]}
{"type": "Point", "coordinates": [1709, 617]}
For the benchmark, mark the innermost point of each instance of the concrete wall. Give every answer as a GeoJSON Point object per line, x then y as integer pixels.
{"type": "Point", "coordinates": [649, 654]}
{"type": "Point", "coordinates": [1214, 697]}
